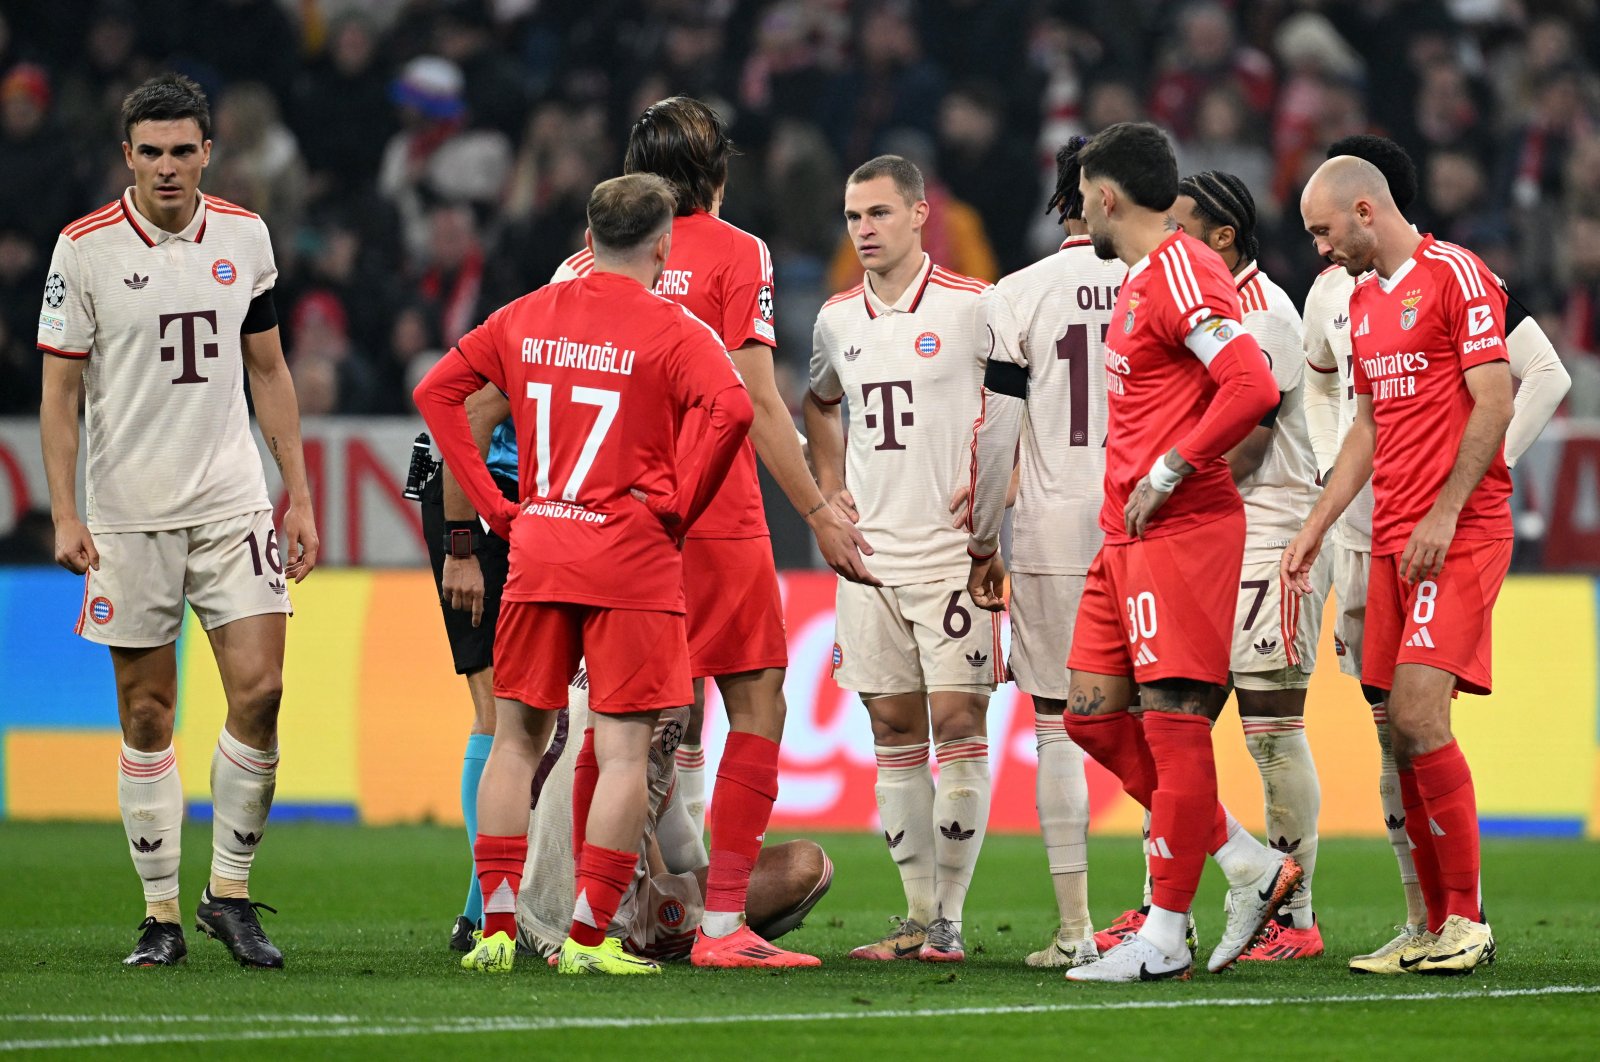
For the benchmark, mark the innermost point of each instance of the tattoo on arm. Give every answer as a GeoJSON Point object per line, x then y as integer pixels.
{"type": "Point", "coordinates": [276, 454]}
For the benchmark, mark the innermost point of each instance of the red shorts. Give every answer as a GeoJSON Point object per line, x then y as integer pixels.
{"type": "Point", "coordinates": [1444, 622]}
{"type": "Point", "coordinates": [735, 611]}
{"type": "Point", "coordinates": [637, 661]}
{"type": "Point", "coordinates": [1162, 607]}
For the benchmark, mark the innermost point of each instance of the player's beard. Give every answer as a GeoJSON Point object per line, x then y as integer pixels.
{"type": "Point", "coordinates": [1362, 250]}
{"type": "Point", "coordinates": [1104, 247]}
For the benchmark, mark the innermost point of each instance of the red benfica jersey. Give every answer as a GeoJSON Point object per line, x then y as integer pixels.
{"type": "Point", "coordinates": [1157, 390]}
{"type": "Point", "coordinates": [722, 275]}
{"type": "Point", "coordinates": [601, 375]}
{"type": "Point", "coordinates": [1415, 336]}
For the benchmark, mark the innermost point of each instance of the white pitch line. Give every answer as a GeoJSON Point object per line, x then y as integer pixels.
{"type": "Point", "coordinates": [459, 1026]}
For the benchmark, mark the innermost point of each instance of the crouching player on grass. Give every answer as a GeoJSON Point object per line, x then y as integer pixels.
{"type": "Point", "coordinates": [600, 373]}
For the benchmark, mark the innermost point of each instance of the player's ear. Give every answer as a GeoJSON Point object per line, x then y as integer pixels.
{"type": "Point", "coordinates": [919, 213]}
{"type": "Point", "coordinates": [588, 240]}
{"type": "Point", "coordinates": [127, 154]}
{"type": "Point", "coordinates": [1222, 237]}
{"type": "Point", "coordinates": [205, 154]}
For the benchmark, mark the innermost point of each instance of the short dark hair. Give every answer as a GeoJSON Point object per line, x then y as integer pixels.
{"type": "Point", "coordinates": [907, 178]}
{"type": "Point", "coordinates": [1390, 159]}
{"type": "Point", "coordinates": [1138, 157]}
{"type": "Point", "coordinates": [685, 142]}
{"type": "Point", "coordinates": [626, 211]}
{"type": "Point", "coordinates": [166, 98]}
{"type": "Point", "coordinates": [1068, 197]}
{"type": "Point", "coordinates": [1223, 199]}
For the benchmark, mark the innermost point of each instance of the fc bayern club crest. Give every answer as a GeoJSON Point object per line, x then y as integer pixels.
{"type": "Point", "coordinates": [838, 655]}
{"type": "Point", "coordinates": [927, 344]}
{"type": "Point", "coordinates": [671, 914]}
{"type": "Point", "coordinates": [223, 272]}
{"type": "Point", "coordinates": [100, 610]}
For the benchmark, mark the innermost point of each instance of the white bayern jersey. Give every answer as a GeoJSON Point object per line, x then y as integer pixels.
{"type": "Point", "coordinates": [157, 314]}
{"type": "Point", "coordinates": [1327, 349]}
{"type": "Point", "coordinates": [1051, 319]}
{"type": "Point", "coordinates": [1278, 495]}
{"type": "Point", "coordinates": [913, 374]}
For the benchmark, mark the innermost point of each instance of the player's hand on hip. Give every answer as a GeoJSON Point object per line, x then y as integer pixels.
{"type": "Point", "coordinates": [1425, 549]}
{"type": "Point", "coordinates": [1294, 567]}
{"type": "Point", "coordinates": [75, 547]}
{"type": "Point", "coordinates": [960, 512]}
{"type": "Point", "coordinates": [845, 503]}
{"type": "Point", "coordinates": [842, 545]}
{"type": "Point", "coordinates": [300, 542]}
{"type": "Point", "coordinates": [1142, 505]}
{"type": "Point", "coordinates": [986, 583]}
{"type": "Point", "coordinates": [502, 518]}
{"type": "Point", "coordinates": [462, 586]}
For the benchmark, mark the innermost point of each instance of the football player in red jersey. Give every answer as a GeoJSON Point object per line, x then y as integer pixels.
{"type": "Point", "coordinates": [723, 275]}
{"type": "Point", "coordinates": [1434, 398]}
{"type": "Point", "coordinates": [602, 374]}
{"type": "Point", "coordinates": [1185, 383]}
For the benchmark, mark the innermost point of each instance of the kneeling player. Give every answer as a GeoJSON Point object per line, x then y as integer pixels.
{"type": "Point", "coordinates": [664, 905]}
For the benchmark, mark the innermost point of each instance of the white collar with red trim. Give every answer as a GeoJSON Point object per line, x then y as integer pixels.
{"type": "Point", "coordinates": [1246, 277]}
{"type": "Point", "coordinates": [909, 299]}
{"type": "Point", "coordinates": [153, 234]}
{"type": "Point", "coordinates": [1076, 241]}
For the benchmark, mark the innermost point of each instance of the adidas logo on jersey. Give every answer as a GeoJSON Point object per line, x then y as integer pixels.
{"type": "Point", "coordinates": [1363, 329]}
{"type": "Point", "coordinates": [852, 354]}
{"type": "Point", "coordinates": [1420, 640]}
{"type": "Point", "coordinates": [142, 845]}
{"type": "Point", "coordinates": [977, 659]}
{"type": "Point", "coordinates": [1144, 656]}
{"type": "Point", "coordinates": [1341, 321]}
{"type": "Point", "coordinates": [136, 281]}
{"type": "Point", "coordinates": [1265, 646]}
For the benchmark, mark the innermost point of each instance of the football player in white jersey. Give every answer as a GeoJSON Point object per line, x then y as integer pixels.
{"type": "Point", "coordinates": [907, 347]}
{"type": "Point", "coordinates": [157, 305]}
{"type": "Point", "coordinates": [1043, 389]}
{"type": "Point", "coordinates": [1275, 638]}
{"type": "Point", "coordinates": [1330, 410]}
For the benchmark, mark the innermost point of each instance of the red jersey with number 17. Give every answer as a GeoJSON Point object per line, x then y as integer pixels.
{"type": "Point", "coordinates": [1415, 336]}
{"type": "Point", "coordinates": [722, 275]}
{"type": "Point", "coordinates": [601, 374]}
{"type": "Point", "coordinates": [1157, 389]}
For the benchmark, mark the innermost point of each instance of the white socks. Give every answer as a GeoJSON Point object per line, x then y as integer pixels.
{"type": "Point", "coordinates": [1242, 859]}
{"type": "Point", "coordinates": [905, 807]}
{"type": "Point", "coordinates": [242, 783]}
{"type": "Point", "coordinates": [1063, 803]}
{"type": "Point", "coordinates": [1394, 818]}
{"type": "Point", "coordinates": [1168, 931]}
{"type": "Point", "coordinates": [692, 783]}
{"type": "Point", "coordinates": [961, 815]}
{"type": "Point", "coordinates": [1293, 797]}
{"type": "Point", "coordinates": [150, 796]}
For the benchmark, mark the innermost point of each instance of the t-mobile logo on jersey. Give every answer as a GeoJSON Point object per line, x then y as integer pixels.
{"type": "Point", "coordinates": [887, 389]}
{"type": "Point", "coordinates": [187, 341]}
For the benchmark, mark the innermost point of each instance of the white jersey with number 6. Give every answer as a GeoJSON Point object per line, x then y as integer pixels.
{"type": "Point", "coordinates": [157, 314]}
{"type": "Point", "coordinates": [913, 373]}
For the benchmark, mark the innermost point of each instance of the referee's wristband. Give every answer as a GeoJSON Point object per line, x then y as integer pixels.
{"type": "Point", "coordinates": [1163, 478]}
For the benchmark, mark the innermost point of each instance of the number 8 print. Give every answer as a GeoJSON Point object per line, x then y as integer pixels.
{"type": "Point", "coordinates": [1422, 612]}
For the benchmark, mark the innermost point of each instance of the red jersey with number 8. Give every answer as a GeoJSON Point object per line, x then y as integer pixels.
{"type": "Point", "coordinates": [1415, 336]}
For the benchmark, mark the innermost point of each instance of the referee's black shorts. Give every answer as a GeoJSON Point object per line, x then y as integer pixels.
{"type": "Point", "coordinates": [471, 647]}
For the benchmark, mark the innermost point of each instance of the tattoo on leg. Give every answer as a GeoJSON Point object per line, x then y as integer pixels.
{"type": "Point", "coordinates": [1178, 696]}
{"type": "Point", "coordinates": [1083, 704]}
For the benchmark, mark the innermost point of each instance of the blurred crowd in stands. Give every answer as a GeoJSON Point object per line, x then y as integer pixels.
{"type": "Point", "coordinates": [423, 161]}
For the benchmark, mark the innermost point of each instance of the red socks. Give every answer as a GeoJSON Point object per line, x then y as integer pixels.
{"type": "Point", "coordinates": [741, 807]}
{"type": "Point", "coordinates": [604, 874]}
{"type": "Point", "coordinates": [1183, 810]}
{"type": "Point", "coordinates": [1424, 856]}
{"type": "Point", "coordinates": [585, 776]}
{"type": "Point", "coordinates": [1116, 743]}
{"type": "Point", "coordinates": [499, 861]}
{"type": "Point", "coordinates": [1445, 782]}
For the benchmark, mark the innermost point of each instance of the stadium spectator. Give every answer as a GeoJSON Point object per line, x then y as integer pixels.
{"type": "Point", "coordinates": [20, 263]}
{"type": "Point", "coordinates": [1205, 54]}
{"type": "Point", "coordinates": [36, 162]}
{"type": "Point", "coordinates": [256, 160]}
{"type": "Point", "coordinates": [1222, 141]}
{"type": "Point", "coordinates": [345, 88]}
{"type": "Point", "coordinates": [986, 164]}
{"type": "Point", "coordinates": [889, 86]}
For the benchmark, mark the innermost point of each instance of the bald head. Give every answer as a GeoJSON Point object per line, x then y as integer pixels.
{"type": "Point", "coordinates": [1348, 210]}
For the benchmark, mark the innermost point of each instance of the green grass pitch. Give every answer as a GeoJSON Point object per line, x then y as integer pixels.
{"type": "Point", "coordinates": [365, 913]}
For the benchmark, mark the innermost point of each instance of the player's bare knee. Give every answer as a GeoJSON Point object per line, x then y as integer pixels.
{"type": "Point", "coordinates": [147, 721]}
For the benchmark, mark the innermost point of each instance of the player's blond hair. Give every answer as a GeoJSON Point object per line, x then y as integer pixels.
{"type": "Point", "coordinates": [907, 178]}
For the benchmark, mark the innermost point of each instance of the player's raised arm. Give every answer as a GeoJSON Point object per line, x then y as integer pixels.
{"type": "Point", "coordinates": [278, 414]}
{"type": "Point", "coordinates": [1543, 381]}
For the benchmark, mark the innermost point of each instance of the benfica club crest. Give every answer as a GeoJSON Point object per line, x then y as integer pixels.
{"type": "Point", "coordinates": [1127, 321]}
{"type": "Point", "coordinates": [1408, 316]}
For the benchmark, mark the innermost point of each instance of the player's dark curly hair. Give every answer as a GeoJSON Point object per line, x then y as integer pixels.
{"type": "Point", "coordinates": [1067, 202]}
{"type": "Point", "coordinates": [166, 98]}
{"type": "Point", "coordinates": [1138, 157]}
{"type": "Point", "coordinates": [683, 140]}
{"type": "Point", "coordinates": [1391, 160]}
{"type": "Point", "coordinates": [1223, 199]}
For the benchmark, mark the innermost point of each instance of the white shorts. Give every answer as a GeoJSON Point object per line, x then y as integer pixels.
{"type": "Point", "coordinates": [1268, 621]}
{"type": "Point", "coordinates": [226, 570]}
{"type": "Point", "coordinates": [922, 636]}
{"type": "Point", "coordinates": [1043, 608]}
{"type": "Point", "coordinates": [662, 915]}
{"type": "Point", "coordinates": [1350, 570]}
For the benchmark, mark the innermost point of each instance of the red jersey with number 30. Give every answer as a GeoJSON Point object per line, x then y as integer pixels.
{"type": "Point", "coordinates": [722, 275]}
{"type": "Point", "coordinates": [1158, 390]}
{"type": "Point", "coordinates": [1415, 336]}
{"type": "Point", "coordinates": [601, 375]}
